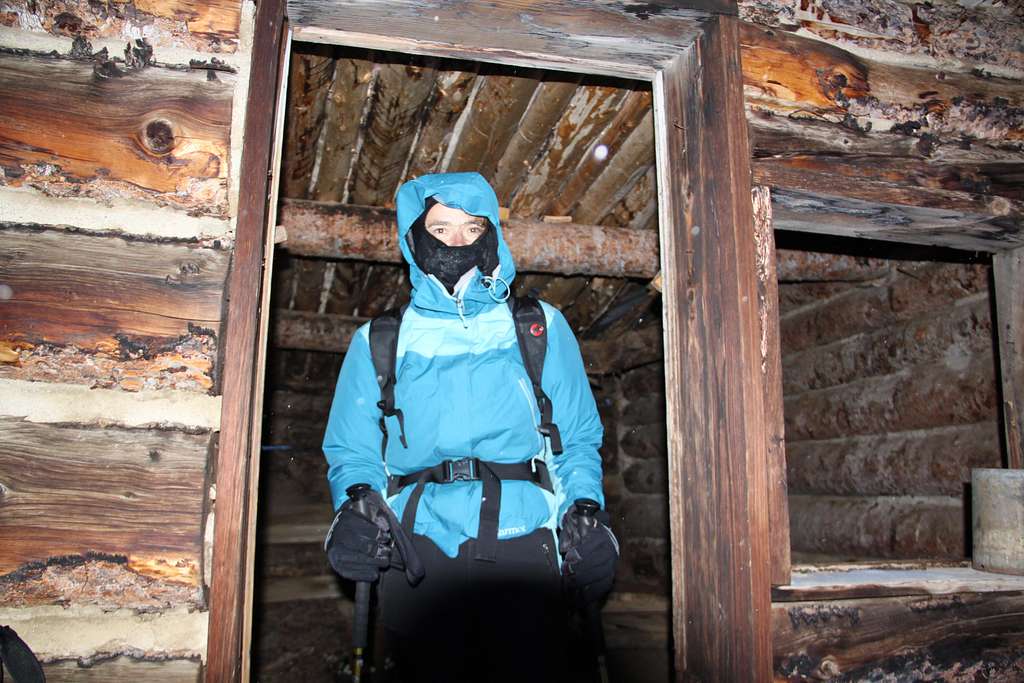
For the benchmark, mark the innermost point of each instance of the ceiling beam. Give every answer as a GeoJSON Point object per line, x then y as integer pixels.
{"type": "Point", "coordinates": [344, 231]}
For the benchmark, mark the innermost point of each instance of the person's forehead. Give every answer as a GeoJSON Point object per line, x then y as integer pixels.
{"type": "Point", "coordinates": [449, 214]}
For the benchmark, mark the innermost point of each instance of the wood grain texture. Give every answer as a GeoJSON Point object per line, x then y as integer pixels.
{"type": "Point", "coordinates": [718, 479]}
{"type": "Point", "coordinates": [401, 89]}
{"type": "Point", "coordinates": [71, 491]}
{"type": "Point", "coordinates": [549, 101]}
{"type": "Point", "coordinates": [207, 26]}
{"type": "Point", "coordinates": [923, 397]}
{"type": "Point", "coordinates": [921, 462]}
{"type": "Point", "coordinates": [771, 369]}
{"type": "Point", "coordinates": [834, 214]}
{"type": "Point", "coordinates": [125, 669]}
{"type": "Point", "coordinates": [1008, 272]}
{"type": "Point", "coordinates": [489, 121]}
{"type": "Point", "coordinates": [122, 312]}
{"type": "Point", "coordinates": [310, 77]}
{"type": "Point", "coordinates": [339, 139]}
{"type": "Point", "coordinates": [891, 578]}
{"type": "Point", "coordinates": [454, 88]}
{"type": "Point", "coordinates": [915, 291]}
{"type": "Point", "coordinates": [787, 74]}
{"type": "Point", "coordinates": [589, 111]}
{"type": "Point", "coordinates": [957, 637]}
{"type": "Point", "coordinates": [155, 134]}
{"type": "Point", "coordinates": [607, 39]}
{"type": "Point", "coordinates": [227, 594]}
{"type": "Point", "coordinates": [904, 527]}
{"type": "Point", "coordinates": [334, 230]}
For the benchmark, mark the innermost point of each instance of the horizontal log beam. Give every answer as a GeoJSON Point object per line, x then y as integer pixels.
{"type": "Point", "coordinates": [956, 331]}
{"type": "Point", "coordinates": [341, 231]}
{"type": "Point", "coordinates": [120, 481]}
{"type": "Point", "coordinates": [907, 527]}
{"type": "Point", "coordinates": [916, 291]}
{"type": "Point", "coordinates": [923, 397]}
{"type": "Point", "coordinates": [947, 637]}
{"type": "Point", "coordinates": [919, 463]}
{"type": "Point", "coordinates": [208, 26]}
{"type": "Point", "coordinates": [369, 234]}
{"type": "Point", "coordinates": [153, 134]}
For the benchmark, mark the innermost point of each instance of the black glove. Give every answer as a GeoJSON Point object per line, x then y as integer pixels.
{"type": "Point", "coordinates": [359, 543]}
{"type": "Point", "coordinates": [590, 552]}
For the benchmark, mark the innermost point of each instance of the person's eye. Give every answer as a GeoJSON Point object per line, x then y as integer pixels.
{"type": "Point", "coordinates": [476, 229]}
{"type": "Point", "coordinates": [437, 230]}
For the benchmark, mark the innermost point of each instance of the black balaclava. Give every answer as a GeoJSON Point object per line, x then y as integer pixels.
{"type": "Point", "coordinates": [448, 264]}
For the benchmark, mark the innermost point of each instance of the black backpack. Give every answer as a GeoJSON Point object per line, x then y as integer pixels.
{"type": "Point", "coordinates": [531, 333]}
{"type": "Point", "coordinates": [18, 658]}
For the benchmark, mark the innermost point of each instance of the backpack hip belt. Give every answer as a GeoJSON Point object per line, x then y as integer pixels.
{"type": "Point", "coordinates": [472, 469]}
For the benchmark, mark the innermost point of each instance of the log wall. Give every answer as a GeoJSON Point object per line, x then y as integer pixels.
{"type": "Point", "coordinates": [890, 399]}
{"type": "Point", "coordinates": [118, 185]}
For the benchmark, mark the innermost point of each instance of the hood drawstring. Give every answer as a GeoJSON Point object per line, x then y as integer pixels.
{"type": "Point", "coordinates": [488, 282]}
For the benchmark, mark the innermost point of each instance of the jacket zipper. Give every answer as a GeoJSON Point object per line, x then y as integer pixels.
{"type": "Point", "coordinates": [532, 408]}
{"type": "Point", "coordinates": [551, 558]}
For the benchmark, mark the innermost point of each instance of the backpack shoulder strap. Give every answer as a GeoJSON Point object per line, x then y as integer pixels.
{"type": "Point", "coordinates": [532, 335]}
{"type": "Point", "coordinates": [384, 352]}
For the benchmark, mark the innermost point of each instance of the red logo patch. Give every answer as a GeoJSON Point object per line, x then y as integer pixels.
{"type": "Point", "coordinates": [536, 329]}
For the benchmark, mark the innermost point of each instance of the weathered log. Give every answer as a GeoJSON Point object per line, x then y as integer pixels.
{"type": "Point", "coordinates": [545, 109]}
{"type": "Point", "coordinates": [71, 491]}
{"type": "Point", "coordinates": [918, 463]}
{"type": "Point", "coordinates": [634, 115]}
{"type": "Point", "coordinates": [309, 81]}
{"type": "Point", "coordinates": [148, 133]}
{"type": "Point", "coordinates": [343, 121]}
{"type": "Point", "coordinates": [589, 111]}
{"type": "Point", "coordinates": [791, 75]}
{"type": "Point", "coordinates": [923, 397]}
{"type": "Point", "coordinates": [954, 333]}
{"type": "Point", "coordinates": [453, 92]}
{"type": "Point", "coordinates": [638, 206]}
{"type": "Point", "coordinates": [210, 26]}
{"type": "Point", "coordinates": [878, 526]}
{"type": "Point", "coordinates": [620, 178]}
{"type": "Point", "coordinates": [483, 131]}
{"type": "Point", "coordinates": [1008, 272]}
{"type": "Point", "coordinates": [952, 34]}
{"type": "Point", "coordinates": [367, 233]}
{"type": "Point", "coordinates": [834, 214]}
{"type": "Point", "coordinates": [917, 289]}
{"type": "Point", "coordinates": [955, 637]}
{"type": "Point", "coordinates": [766, 258]}
{"type": "Point", "coordinates": [401, 89]}
{"type": "Point", "coordinates": [125, 668]}
{"type": "Point", "coordinates": [132, 312]}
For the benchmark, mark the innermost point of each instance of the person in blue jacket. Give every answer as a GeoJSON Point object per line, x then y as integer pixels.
{"type": "Point", "coordinates": [494, 514]}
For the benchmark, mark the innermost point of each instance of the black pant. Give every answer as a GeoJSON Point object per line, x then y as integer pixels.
{"type": "Point", "coordinates": [471, 620]}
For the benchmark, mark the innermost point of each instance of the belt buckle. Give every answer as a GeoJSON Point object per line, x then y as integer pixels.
{"type": "Point", "coordinates": [462, 470]}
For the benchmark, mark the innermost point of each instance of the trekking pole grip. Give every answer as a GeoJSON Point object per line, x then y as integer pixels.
{"type": "Point", "coordinates": [361, 619]}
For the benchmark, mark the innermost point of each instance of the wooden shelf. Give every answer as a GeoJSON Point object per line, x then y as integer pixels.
{"type": "Point", "coordinates": [852, 581]}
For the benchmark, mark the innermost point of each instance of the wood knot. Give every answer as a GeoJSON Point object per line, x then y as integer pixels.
{"type": "Point", "coordinates": [159, 137]}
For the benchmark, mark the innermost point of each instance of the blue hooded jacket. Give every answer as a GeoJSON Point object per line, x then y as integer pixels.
{"type": "Point", "coordinates": [464, 392]}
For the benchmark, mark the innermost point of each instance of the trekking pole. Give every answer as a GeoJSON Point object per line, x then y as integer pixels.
{"type": "Point", "coordinates": [587, 510]}
{"type": "Point", "coordinates": [361, 621]}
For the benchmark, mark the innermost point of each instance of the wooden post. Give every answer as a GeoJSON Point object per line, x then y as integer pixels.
{"type": "Point", "coordinates": [717, 433]}
{"type": "Point", "coordinates": [1008, 272]}
{"type": "Point", "coordinates": [771, 371]}
{"type": "Point", "coordinates": [227, 585]}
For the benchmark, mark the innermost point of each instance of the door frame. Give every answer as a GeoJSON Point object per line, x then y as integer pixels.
{"type": "Point", "coordinates": [718, 432]}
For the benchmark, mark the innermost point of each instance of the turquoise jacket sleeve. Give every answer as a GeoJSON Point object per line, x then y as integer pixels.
{"type": "Point", "coordinates": [352, 440]}
{"type": "Point", "coordinates": [578, 468]}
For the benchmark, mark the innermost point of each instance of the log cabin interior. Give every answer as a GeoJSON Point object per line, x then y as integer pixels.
{"type": "Point", "coordinates": [883, 231]}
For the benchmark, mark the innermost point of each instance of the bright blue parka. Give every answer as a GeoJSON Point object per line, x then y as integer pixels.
{"type": "Point", "coordinates": [464, 392]}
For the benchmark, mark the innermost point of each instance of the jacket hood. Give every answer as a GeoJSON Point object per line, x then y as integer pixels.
{"type": "Point", "coordinates": [471, 193]}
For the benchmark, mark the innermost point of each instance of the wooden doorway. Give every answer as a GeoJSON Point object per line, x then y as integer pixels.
{"type": "Point", "coordinates": [717, 439]}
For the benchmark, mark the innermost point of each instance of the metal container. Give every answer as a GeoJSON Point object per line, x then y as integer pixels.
{"type": "Point", "coordinates": [997, 516]}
